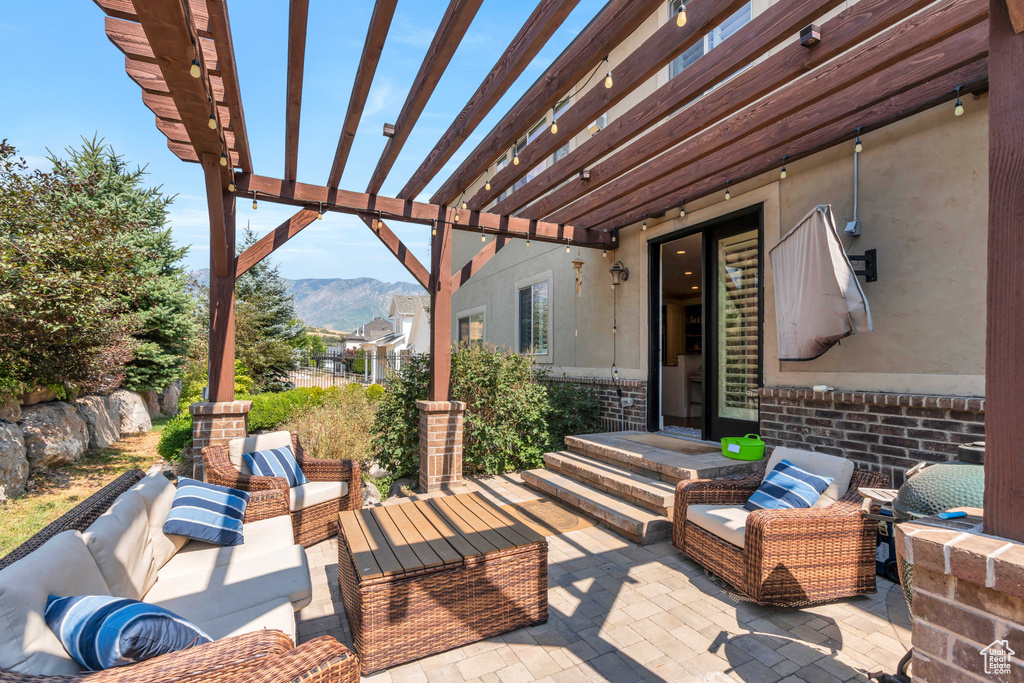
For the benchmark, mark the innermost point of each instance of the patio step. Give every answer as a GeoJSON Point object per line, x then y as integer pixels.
{"type": "Point", "coordinates": [636, 524]}
{"type": "Point", "coordinates": [651, 494]}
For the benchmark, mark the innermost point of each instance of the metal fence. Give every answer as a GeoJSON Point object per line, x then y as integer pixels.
{"type": "Point", "coordinates": [341, 369]}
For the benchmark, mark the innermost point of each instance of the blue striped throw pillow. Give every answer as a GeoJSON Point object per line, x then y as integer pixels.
{"type": "Point", "coordinates": [787, 487]}
{"type": "Point", "coordinates": [276, 462]}
{"type": "Point", "coordinates": [207, 512]}
{"type": "Point", "coordinates": [102, 632]}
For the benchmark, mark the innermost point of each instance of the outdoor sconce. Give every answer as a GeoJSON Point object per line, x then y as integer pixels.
{"type": "Point", "coordinates": [585, 174]}
{"type": "Point", "coordinates": [810, 35]}
{"type": "Point", "coordinates": [620, 273]}
{"type": "Point", "coordinates": [389, 130]}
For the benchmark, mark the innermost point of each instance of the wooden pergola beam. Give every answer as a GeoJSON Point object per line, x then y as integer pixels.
{"type": "Point", "coordinates": [132, 40]}
{"type": "Point", "coordinates": [376, 34]}
{"type": "Point", "coordinates": [767, 30]}
{"type": "Point", "coordinates": [272, 241]}
{"type": "Point", "coordinates": [616, 21]}
{"type": "Point", "coordinates": [298, 17]}
{"type": "Point", "coordinates": [219, 251]}
{"type": "Point", "coordinates": [220, 29]}
{"type": "Point", "coordinates": [534, 35]}
{"type": "Point", "coordinates": [148, 77]}
{"type": "Point", "coordinates": [401, 252]}
{"type": "Point", "coordinates": [668, 42]}
{"type": "Point", "coordinates": [453, 27]}
{"type": "Point", "coordinates": [819, 92]}
{"type": "Point", "coordinates": [1016, 12]}
{"type": "Point", "coordinates": [713, 174]}
{"type": "Point", "coordinates": [486, 253]}
{"type": "Point", "coordinates": [124, 9]}
{"type": "Point", "coordinates": [362, 204]}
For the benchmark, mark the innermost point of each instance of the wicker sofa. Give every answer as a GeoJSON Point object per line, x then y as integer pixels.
{"type": "Point", "coordinates": [782, 557]}
{"type": "Point", "coordinates": [334, 485]}
{"type": "Point", "coordinates": [244, 596]}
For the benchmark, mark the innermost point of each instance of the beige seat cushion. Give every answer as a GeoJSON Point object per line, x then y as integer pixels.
{"type": "Point", "coordinates": [157, 493]}
{"type": "Point", "coordinates": [251, 444]}
{"type": "Point", "coordinates": [840, 469]}
{"type": "Point", "coordinates": [261, 538]}
{"type": "Point", "coordinates": [314, 493]}
{"type": "Point", "coordinates": [728, 522]}
{"type": "Point", "coordinates": [121, 546]}
{"type": "Point", "coordinates": [205, 593]}
{"type": "Point", "coordinates": [274, 614]}
{"type": "Point", "coordinates": [62, 566]}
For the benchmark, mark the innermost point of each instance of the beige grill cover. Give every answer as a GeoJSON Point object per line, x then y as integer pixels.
{"type": "Point", "coordinates": [818, 299]}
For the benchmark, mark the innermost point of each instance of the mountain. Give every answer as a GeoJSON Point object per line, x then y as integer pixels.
{"type": "Point", "coordinates": [340, 304]}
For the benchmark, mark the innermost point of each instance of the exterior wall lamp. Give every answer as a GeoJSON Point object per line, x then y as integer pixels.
{"type": "Point", "coordinates": [620, 273]}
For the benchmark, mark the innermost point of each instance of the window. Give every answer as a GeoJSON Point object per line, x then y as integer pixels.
{"type": "Point", "coordinates": [599, 124]}
{"type": "Point", "coordinates": [471, 328]}
{"type": "Point", "coordinates": [533, 319]}
{"type": "Point", "coordinates": [711, 40]}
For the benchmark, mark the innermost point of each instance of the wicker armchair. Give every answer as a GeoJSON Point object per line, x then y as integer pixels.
{"type": "Point", "coordinates": [312, 524]}
{"type": "Point", "coordinates": [789, 557]}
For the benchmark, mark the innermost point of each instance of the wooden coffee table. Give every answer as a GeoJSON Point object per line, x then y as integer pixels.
{"type": "Point", "coordinates": [427, 576]}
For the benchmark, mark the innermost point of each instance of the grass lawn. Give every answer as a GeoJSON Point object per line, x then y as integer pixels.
{"type": "Point", "coordinates": [53, 492]}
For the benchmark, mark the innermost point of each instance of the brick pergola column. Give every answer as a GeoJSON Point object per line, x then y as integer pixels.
{"type": "Point", "coordinates": [440, 443]}
{"type": "Point", "coordinates": [214, 424]}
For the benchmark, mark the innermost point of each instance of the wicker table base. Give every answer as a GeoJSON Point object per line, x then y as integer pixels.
{"type": "Point", "coordinates": [425, 577]}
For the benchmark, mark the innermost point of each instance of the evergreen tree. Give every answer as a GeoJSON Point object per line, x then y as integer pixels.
{"type": "Point", "coordinates": [266, 330]}
{"type": "Point", "coordinates": [162, 307]}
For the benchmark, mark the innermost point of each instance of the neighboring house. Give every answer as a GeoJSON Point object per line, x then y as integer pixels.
{"type": "Point", "coordinates": [386, 341]}
{"type": "Point", "coordinates": [365, 335]}
{"type": "Point", "coordinates": [672, 349]}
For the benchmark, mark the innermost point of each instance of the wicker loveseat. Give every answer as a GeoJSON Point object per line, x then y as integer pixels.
{"type": "Point", "coordinates": [253, 629]}
{"type": "Point", "coordinates": [782, 557]}
{"type": "Point", "coordinates": [334, 485]}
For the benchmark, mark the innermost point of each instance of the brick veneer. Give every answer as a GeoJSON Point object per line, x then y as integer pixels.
{"type": "Point", "coordinates": [214, 424]}
{"type": "Point", "coordinates": [440, 443]}
{"type": "Point", "coordinates": [886, 433]}
{"type": "Point", "coordinates": [615, 417]}
{"type": "Point", "coordinates": [968, 592]}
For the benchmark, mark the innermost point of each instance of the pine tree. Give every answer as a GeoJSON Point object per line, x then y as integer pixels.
{"type": "Point", "coordinates": [163, 306]}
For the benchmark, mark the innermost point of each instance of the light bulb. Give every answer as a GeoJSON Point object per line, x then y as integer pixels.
{"type": "Point", "coordinates": [487, 186]}
{"type": "Point", "coordinates": [554, 128]}
{"type": "Point", "coordinates": [614, 329]}
{"type": "Point", "coordinates": [515, 159]}
{"type": "Point", "coordinates": [682, 208]}
{"type": "Point", "coordinates": [681, 17]}
{"type": "Point", "coordinates": [604, 253]}
{"type": "Point", "coordinates": [615, 238]}
{"type": "Point", "coordinates": [433, 231]}
{"type": "Point", "coordinates": [858, 147]}
{"type": "Point", "coordinates": [195, 69]}
{"type": "Point", "coordinates": [527, 243]}
{"type": "Point", "coordinates": [223, 159]}
{"type": "Point", "coordinates": [254, 206]}
{"type": "Point", "coordinates": [456, 216]}
{"type": "Point", "coordinates": [958, 110]}
{"type": "Point", "coordinates": [608, 82]}
{"type": "Point", "coordinates": [567, 250]}
{"type": "Point", "coordinates": [212, 122]}
{"type": "Point", "coordinates": [644, 226]}
{"type": "Point", "coordinates": [465, 206]}
{"type": "Point", "coordinates": [231, 187]}
{"type": "Point", "coordinates": [483, 237]}
{"type": "Point", "coordinates": [380, 224]}
{"type": "Point", "coordinates": [320, 216]}
{"type": "Point", "coordinates": [782, 173]}
{"type": "Point", "coordinates": [728, 195]}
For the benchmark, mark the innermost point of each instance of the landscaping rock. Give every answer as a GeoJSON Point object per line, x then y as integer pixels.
{"type": "Point", "coordinates": [371, 496]}
{"type": "Point", "coordinates": [102, 420]}
{"type": "Point", "coordinates": [10, 410]}
{"type": "Point", "coordinates": [54, 434]}
{"type": "Point", "coordinates": [13, 461]}
{"type": "Point", "coordinates": [132, 411]}
{"type": "Point", "coordinates": [169, 398]}
{"type": "Point", "coordinates": [40, 395]}
{"type": "Point", "coordinates": [376, 471]}
{"type": "Point", "coordinates": [152, 402]}
{"type": "Point", "coordinates": [402, 487]}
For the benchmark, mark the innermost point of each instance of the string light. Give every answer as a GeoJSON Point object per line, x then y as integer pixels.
{"type": "Point", "coordinates": [608, 82]}
{"type": "Point", "coordinates": [782, 173]}
{"type": "Point", "coordinates": [231, 187]}
{"type": "Point", "coordinates": [615, 236]}
{"type": "Point", "coordinates": [681, 17]}
{"type": "Point", "coordinates": [456, 217]}
{"type": "Point", "coordinates": [433, 228]}
{"type": "Point", "coordinates": [728, 194]}
{"type": "Point", "coordinates": [858, 147]}
{"type": "Point", "coordinates": [644, 226]}
{"type": "Point", "coordinates": [380, 222]}
{"type": "Point", "coordinates": [487, 185]}
{"type": "Point", "coordinates": [958, 110]}
{"type": "Point", "coordinates": [212, 123]}
{"type": "Point", "coordinates": [515, 158]}
{"type": "Point", "coordinates": [554, 123]}
{"type": "Point", "coordinates": [527, 242]}
{"type": "Point", "coordinates": [195, 69]}
{"type": "Point", "coordinates": [682, 208]}
{"type": "Point", "coordinates": [567, 249]}
{"type": "Point", "coordinates": [604, 253]}
{"type": "Point", "coordinates": [464, 206]}
{"type": "Point", "coordinates": [254, 200]}
{"type": "Point", "coordinates": [223, 159]}
{"type": "Point", "coordinates": [320, 215]}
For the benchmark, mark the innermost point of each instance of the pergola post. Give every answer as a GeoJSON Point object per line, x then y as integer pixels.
{"type": "Point", "coordinates": [1004, 361]}
{"type": "Point", "coordinates": [440, 418]}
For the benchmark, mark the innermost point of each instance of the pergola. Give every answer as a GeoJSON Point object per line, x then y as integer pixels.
{"type": "Point", "coordinates": [786, 98]}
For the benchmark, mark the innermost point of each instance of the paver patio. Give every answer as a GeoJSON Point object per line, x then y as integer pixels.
{"type": "Point", "coordinates": [623, 613]}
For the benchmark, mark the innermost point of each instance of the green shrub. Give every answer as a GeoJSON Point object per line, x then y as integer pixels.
{"type": "Point", "coordinates": [336, 429]}
{"type": "Point", "coordinates": [271, 410]}
{"type": "Point", "coordinates": [354, 388]}
{"type": "Point", "coordinates": [176, 437]}
{"type": "Point", "coordinates": [396, 424]}
{"type": "Point", "coordinates": [572, 409]}
{"type": "Point", "coordinates": [374, 392]}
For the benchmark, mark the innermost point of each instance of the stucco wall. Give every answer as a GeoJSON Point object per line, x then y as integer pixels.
{"type": "Point", "coordinates": [923, 205]}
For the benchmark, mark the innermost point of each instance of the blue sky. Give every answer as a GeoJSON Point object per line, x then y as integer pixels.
{"type": "Point", "coordinates": [62, 79]}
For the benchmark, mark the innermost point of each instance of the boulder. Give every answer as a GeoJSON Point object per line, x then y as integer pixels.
{"type": "Point", "coordinates": [40, 395]}
{"type": "Point", "coordinates": [402, 487]}
{"type": "Point", "coordinates": [152, 402]}
{"type": "Point", "coordinates": [132, 411]}
{"type": "Point", "coordinates": [13, 461]}
{"type": "Point", "coordinates": [10, 410]}
{"type": "Point", "coordinates": [169, 398]}
{"type": "Point", "coordinates": [102, 420]}
{"type": "Point", "coordinates": [371, 496]}
{"type": "Point", "coordinates": [54, 434]}
{"type": "Point", "coordinates": [376, 471]}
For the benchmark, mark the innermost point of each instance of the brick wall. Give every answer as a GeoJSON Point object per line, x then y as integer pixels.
{"type": "Point", "coordinates": [214, 424]}
{"type": "Point", "coordinates": [440, 443]}
{"type": "Point", "coordinates": [886, 433]}
{"type": "Point", "coordinates": [615, 417]}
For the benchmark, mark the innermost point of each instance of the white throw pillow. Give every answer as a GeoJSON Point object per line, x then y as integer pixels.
{"type": "Point", "coordinates": [251, 444]}
{"type": "Point", "coordinates": [157, 493]}
{"type": "Point", "coordinates": [840, 469]}
{"type": "Point", "coordinates": [121, 546]}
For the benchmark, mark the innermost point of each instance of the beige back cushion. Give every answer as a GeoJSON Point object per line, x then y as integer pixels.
{"type": "Point", "coordinates": [121, 546]}
{"type": "Point", "coordinates": [63, 567]}
{"type": "Point", "coordinates": [840, 469]}
{"type": "Point", "coordinates": [158, 493]}
{"type": "Point", "coordinates": [251, 444]}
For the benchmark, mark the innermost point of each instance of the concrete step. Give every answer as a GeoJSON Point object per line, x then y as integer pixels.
{"type": "Point", "coordinates": [651, 494]}
{"type": "Point", "coordinates": [698, 461]}
{"type": "Point", "coordinates": [636, 524]}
